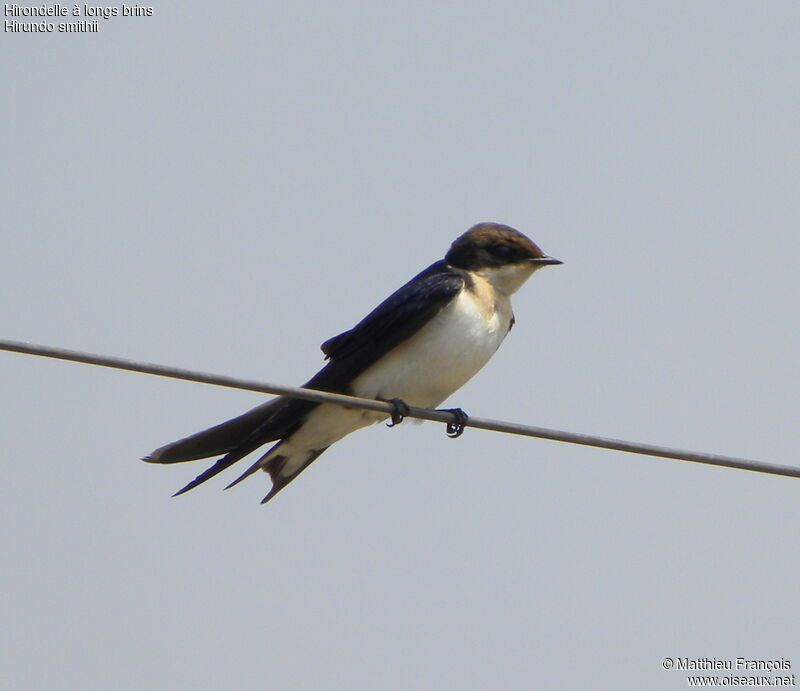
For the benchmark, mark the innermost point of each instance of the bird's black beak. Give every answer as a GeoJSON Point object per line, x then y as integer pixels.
{"type": "Point", "coordinates": [545, 261]}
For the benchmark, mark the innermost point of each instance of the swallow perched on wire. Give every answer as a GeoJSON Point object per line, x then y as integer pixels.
{"type": "Point", "coordinates": [420, 345]}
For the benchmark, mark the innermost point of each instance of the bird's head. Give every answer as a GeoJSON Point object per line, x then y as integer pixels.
{"type": "Point", "coordinates": [502, 255]}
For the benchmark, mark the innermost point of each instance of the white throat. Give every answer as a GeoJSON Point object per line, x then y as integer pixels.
{"type": "Point", "coordinates": [507, 279]}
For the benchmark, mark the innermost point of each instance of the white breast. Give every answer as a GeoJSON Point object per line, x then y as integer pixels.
{"type": "Point", "coordinates": [423, 370]}
{"type": "Point", "coordinates": [447, 352]}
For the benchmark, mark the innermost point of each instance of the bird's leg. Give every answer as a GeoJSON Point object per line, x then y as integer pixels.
{"type": "Point", "coordinates": [399, 412]}
{"type": "Point", "coordinates": [455, 428]}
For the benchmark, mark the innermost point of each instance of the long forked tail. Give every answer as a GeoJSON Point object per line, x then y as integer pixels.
{"type": "Point", "coordinates": [234, 438]}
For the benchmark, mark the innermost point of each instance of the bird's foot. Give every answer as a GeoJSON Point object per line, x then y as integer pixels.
{"type": "Point", "coordinates": [455, 428]}
{"type": "Point", "coordinates": [399, 412]}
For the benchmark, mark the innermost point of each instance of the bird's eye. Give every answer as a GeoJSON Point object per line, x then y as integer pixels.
{"type": "Point", "coordinates": [503, 252]}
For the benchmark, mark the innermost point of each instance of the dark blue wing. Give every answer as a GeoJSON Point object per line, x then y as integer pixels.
{"type": "Point", "coordinates": [397, 318]}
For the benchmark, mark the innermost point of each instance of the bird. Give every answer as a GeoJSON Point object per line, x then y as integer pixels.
{"type": "Point", "coordinates": [417, 347]}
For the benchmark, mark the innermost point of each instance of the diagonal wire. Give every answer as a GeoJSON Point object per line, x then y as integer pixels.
{"type": "Point", "coordinates": [381, 406]}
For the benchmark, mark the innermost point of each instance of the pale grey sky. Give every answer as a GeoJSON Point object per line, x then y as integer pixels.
{"type": "Point", "coordinates": [224, 186]}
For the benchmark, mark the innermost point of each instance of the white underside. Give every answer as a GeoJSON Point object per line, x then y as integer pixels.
{"type": "Point", "coordinates": [422, 371]}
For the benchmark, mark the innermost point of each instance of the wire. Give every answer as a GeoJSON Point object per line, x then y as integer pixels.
{"type": "Point", "coordinates": [382, 406]}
